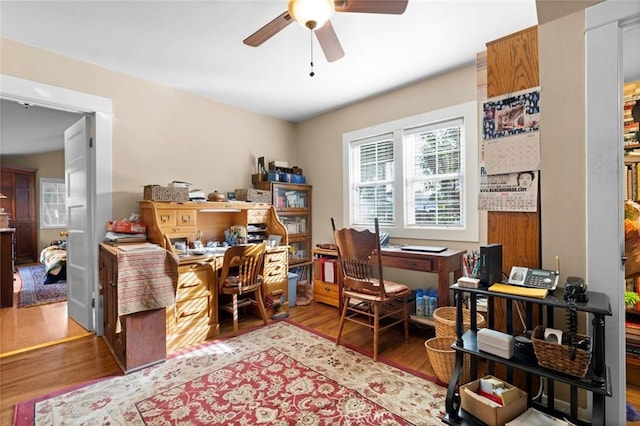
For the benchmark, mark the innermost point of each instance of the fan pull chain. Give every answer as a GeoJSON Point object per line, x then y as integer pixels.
{"type": "Point", "coordinates": [311, 74]}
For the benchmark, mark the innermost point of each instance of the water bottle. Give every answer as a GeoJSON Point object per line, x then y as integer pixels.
{"type": "Point", "coordinates": [419, 304]}
{"type": "Point", "coordinates": [427, 312]}
{"type": "Point", "coordinates": [433, 302]}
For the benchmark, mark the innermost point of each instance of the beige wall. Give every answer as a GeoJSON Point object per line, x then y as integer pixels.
{"type": "Point", "coordinates": [320, 139]}
{"type": "Point", "coordinates": [161, 134]}
{"type": "Point", "coordinates": [47, 165]}
{"type": "Point", "coordinates": [563, 146]}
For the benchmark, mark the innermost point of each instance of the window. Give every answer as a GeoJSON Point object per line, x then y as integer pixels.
{"type": "Point", "coordinates": [413, 175]}
{"type": "Point", "coordinates": [53, 207]}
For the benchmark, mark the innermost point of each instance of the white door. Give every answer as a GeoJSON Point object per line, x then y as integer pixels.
{"type": "Point", "coordinates": [79, 273]}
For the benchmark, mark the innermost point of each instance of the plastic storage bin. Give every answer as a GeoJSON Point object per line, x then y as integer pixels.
{"type": "Point", "coordinates": [293, 281]}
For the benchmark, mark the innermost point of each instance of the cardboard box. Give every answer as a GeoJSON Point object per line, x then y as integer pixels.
{"type": "Point", "coordinates": [258, 177]}
{"type": "Point", "coordinates": [274, 165]}
{"type": "Point", "coordinates": [164, 193]}
{"type": "Point", "coordinates": [126, 227]}
{"type": "Point", "coordinates": [253, 195]}
{"type": "Point", "coordinates": [489, 411]}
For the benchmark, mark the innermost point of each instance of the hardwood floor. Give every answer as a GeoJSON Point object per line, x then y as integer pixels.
{"type": "Point", "coordinates": [35, 326]}
{"type": "Point", "coordinates": [37, 372]}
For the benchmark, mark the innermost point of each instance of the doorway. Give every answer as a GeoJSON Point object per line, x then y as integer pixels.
{"type": "Point", "coordinates": [99, 184]}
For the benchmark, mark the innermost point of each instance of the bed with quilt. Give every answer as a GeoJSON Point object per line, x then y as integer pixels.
{"type": "Point", "coordinates": [54, 259]}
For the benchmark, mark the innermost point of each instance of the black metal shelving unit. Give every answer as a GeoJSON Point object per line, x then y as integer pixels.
{"type": "Point", "coordinates": [597, 380]}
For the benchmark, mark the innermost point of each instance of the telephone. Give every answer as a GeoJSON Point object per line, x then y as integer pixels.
{"type": "Point", "coordinates": [576, 289]}
{"type": "Point", "coordinates": [536, 278]}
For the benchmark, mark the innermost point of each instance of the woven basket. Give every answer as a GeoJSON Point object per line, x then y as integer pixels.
{"type": "Point", "coordinates": [555, 356]}
{"type": "Point", "coordinates": [445, 319]}
{"type": "Point", "coordinates": [443, 359]}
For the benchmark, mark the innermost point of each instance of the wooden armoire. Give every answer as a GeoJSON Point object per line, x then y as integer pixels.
{"type": "Point", "coordinates": [19, 186]}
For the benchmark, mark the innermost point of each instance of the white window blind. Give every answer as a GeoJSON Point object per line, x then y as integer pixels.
{"type": "Point", "coordinates": [417, 175]}
{"type": "Point", "coordinates": [373, 180]}
{"type": "Point", "coordinates": [434, 174]}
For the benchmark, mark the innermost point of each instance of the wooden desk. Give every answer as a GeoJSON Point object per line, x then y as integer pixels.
{"type": "Point", "coordinates": [438, 263]}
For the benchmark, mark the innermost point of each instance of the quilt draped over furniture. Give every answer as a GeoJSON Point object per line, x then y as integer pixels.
{"type": "Point", "coordinates": [146, 280]}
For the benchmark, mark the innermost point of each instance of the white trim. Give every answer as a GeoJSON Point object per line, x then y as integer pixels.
{"type": "Point", "coordinates": [101, 203]}
{"type": "Point", "coordinates": [469, 110]}
{"type": "Point", "coordinates": [605, 239]}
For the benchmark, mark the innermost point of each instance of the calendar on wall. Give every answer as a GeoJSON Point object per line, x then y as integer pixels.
{"type": "Point", "coordinates": [510, 152]}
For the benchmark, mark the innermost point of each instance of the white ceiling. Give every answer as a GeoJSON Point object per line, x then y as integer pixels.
{"type": "Point", "coordinates": [197, 46]}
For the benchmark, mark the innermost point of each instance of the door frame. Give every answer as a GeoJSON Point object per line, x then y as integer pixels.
{"type": "Point", "coordinates": [101, 204]}
{"type": "Point", "coordinates": [604, 25]}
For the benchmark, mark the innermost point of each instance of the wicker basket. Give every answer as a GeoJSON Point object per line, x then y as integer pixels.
{"type": "Point", "coordinates": [443, 359]}
{"type": "Point", "coordinates": [555, 356]}
{"type": "Point", "coordinates": [445, 319]}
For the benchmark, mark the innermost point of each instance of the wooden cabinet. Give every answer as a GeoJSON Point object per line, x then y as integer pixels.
{"type": "Point", "coordinates": [325, 291]}
{"type": "Point", "coordinates": [136, 340]}
{"type": "Point", "coordinates": [596, 381]}
{"type": "Point", "coordinates": [19, 185]}
{"type": "Point", "coordinates": [293, 205]}
{"type": "Point", "coordinates": [6, 267]}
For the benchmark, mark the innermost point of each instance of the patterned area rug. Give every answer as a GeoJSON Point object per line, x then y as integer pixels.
{"type": "Point", "coordinates": [280, 374]}
{"type": "Point", "coordinates": [33, 291]}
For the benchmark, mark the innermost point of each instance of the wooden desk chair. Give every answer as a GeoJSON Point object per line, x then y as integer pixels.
{"type": "Point", "coordinates": [364, 300]}
{"type": "Point", "coordinates": [241, 274]}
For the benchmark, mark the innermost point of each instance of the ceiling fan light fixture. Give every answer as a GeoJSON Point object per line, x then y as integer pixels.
{"type": "Point", "coordinates": [311, 14]}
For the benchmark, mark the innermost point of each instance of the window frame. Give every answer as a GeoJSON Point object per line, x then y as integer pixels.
{"type": "Point", "coordinates": [44, 182]}
{"type": "Point", "coordinates": [469, 231]}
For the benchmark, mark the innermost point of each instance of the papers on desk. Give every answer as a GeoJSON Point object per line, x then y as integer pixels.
{"type": "Point", "coordinates": [535, 417]}
{"type": "Point", "coordinates": [138, 247]}
{"type": "Point", "coordinates": [118, 237]}
{"type": "Point", "coordinates": [539, 293]}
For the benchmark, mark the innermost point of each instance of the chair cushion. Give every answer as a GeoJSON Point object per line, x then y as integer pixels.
{"type": "Point", "coordinates": [234, 281]}
{"type": "Point", "coordinates": [391, 288]}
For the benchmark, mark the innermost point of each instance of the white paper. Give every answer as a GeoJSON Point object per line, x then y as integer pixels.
{"type": "Point", "coordinates": [516, 192]}
{"type": "Point", "coordinates": [329, 275]}
{"type": "Point", "coordinates": [538, 418]}
{"type": "Point", "coordinates": [512, 154]}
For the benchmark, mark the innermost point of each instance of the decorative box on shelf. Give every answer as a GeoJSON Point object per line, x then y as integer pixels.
{"type": "Point", "coordinates": [164, 193]}
{"type": "Point", "coordinates": [253, 195]}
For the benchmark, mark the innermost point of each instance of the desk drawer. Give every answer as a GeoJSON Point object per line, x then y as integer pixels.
{"type": "Point", "coordinates": [275, 267]}
{"type": "Point", "coordinates": [325, 292]}
{"type": "Point", "coordinates": [176, 217]}
{"type": "Point", "coordinates": [422, 265]}
{"type": "Point", "coordinates": [188, 313]}
{"type": "Point", "coordinates": [258, 216]}
{"type": "Point", "coordinates": [193, 281]}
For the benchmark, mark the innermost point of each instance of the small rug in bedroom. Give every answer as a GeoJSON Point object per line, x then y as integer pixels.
{"type": "Point", "coordinates": [33, 291]}
{"type": "Point", "coordinates": [279, 374]}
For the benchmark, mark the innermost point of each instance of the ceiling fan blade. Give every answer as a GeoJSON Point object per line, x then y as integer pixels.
{"type": "Point", "coordinates": [269, 30]}
{"type": "Point", "coordinates": [392, 7]}
{"type": "Point", "coordinates": [329, 42]}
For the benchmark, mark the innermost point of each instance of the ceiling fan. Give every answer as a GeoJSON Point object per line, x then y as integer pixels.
{"type": "Point", "coordinates": [315, 15]}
